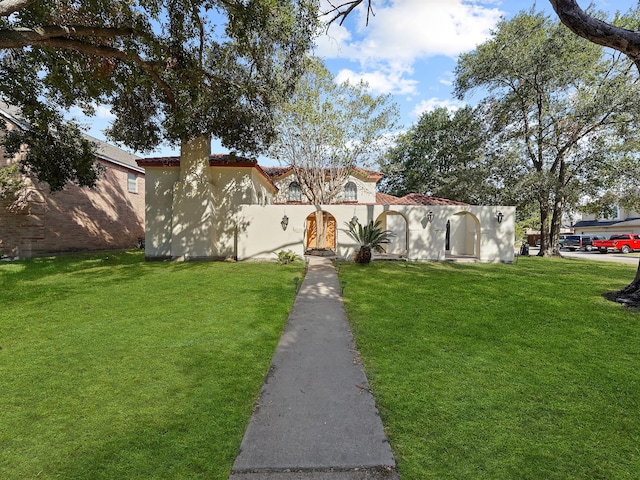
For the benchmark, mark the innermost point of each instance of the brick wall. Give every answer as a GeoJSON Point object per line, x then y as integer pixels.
{"type": "Point", "coordinates": [75, 219]}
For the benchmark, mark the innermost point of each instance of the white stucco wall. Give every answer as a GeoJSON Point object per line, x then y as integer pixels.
{"type": "Point", "coordinates": [473, 229]}
{"type": "Point", "coordinates": [234, 225]}
{"type": "Point", "coordinates": [159, 210]}
{"type": "Point", "coordinates": [366, 189]}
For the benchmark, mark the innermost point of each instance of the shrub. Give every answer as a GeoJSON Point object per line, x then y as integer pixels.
{"type": "Point", "coordinates": [287, 256]}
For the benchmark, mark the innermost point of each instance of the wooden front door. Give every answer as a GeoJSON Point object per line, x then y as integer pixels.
{"type": "Point", "coordinates": [312, 231]}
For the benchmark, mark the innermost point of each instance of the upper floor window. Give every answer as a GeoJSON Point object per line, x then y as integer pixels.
{"type": "Point", "coordinates": [350, 192]}
{"type": "Point", "coordinates": [294, 192]}
{"type": "Point", "coordinates": [132, 183]}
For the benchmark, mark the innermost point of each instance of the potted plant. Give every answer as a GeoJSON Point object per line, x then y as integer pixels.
{"type": "Point", "coordinates": [370, 237]}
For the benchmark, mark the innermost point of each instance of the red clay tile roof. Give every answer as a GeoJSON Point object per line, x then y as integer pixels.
{"type": "Point", "coordinates": [276, 172]}
{"type": "Point", "coordinates": [369, 173]}
{"type": "Point", "coordinates": [385, 199]}
{"type": "Point", "coordinates": [215, 160]}
{"type": "Point", "coordinates": [271, 173]}
{"type": "Point", "coordinates": [414, 199]}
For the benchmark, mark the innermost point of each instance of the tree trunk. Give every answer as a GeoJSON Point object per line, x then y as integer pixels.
{"type": "Point", "coordinates": [556, 226]}
{"type": "Point", "coordinates": [629, 295]}
{"type": "Point", "coordinates": [545, 238]}
{"type": "Point", "coordinates": [193, 212]}
{"type": "Point", "coordinates": [364, 255]}
{"type": "Point", "coordinates": [321, 230]}
{"type": "Point", "coordinates": [634, 286]}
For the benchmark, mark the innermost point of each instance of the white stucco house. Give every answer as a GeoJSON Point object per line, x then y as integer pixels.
{"type": "Point", "coordinates": [232, 208]}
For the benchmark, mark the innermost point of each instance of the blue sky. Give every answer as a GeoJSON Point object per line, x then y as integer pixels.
{"type": "Point", "coordinates": [408, 50]}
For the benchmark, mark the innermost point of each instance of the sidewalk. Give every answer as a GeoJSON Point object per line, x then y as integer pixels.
{"type": "Point", "coordinates": [315, 419]}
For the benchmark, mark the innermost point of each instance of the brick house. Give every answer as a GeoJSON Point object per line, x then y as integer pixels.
{"type": "Point", "coordinates": [107, 217]}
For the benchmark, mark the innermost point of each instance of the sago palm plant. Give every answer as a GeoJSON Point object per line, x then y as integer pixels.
{"type": "Point", "coordinates": [370, 236]}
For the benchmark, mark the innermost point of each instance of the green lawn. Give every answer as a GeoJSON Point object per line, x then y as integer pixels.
{"type": "Point", "coordinates": [113, 368]}
{"type": "Point", "coordinates": [501, 371]}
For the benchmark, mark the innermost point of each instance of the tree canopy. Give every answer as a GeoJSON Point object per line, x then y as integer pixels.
{"type": "Point", "coordinates": [442, 155]}
{"type": "Point", "coordinates": [171, 71]}
{"type": "Point", "coordinates": [327, 129]}
{"type": "Point", "coordinates": [560, 106]}
{"type": "Point", "coordinates": [627, 41]}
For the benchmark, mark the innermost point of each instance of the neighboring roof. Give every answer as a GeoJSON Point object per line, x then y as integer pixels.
{"type": "Point", "coordinates": [415, 199]}
{"type": "Point", "coordinates": [371, 174]}
{"type": "Point", "coordinates": [215, 160]}
{"type": "Point", "coordinates": [607, 223]}
{"type": "Point", "coordinates": [115, 154]}
{"type": "Point", "coordinates": [12, 113]}
{"type": "Point", "coordinates": [385, 199]}
{"type": "Point", "coordinates": [105, 151]}
{"type": "Point", "coordinates": [279, 172]}
{"type": "Point", "coordinates": [593, 223]}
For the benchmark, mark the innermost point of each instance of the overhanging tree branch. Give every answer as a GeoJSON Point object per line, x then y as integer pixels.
{"type": "Point", "coordinates": [343, 10]}
{"type": "Point", "coordinates": [109, 52]}
{"type": "Point", "coordinates": [7, 7]}
{"type": "Point", "coordinates": [599, 32]}
{"type": "Point", "coordinates": [24, 37]}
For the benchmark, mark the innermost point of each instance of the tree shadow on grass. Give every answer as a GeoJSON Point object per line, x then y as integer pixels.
{"type": "Point", "coordinates": [630, 301]}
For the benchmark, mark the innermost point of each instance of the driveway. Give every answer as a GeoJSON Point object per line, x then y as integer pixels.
{"type": "Point", "coordinates": [595, 255]}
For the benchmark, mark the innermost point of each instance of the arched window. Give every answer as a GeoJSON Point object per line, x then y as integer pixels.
{"type": "Point", "coordinates": [350, 192]}
{"type": "Point", "coordinates": [294, 192]}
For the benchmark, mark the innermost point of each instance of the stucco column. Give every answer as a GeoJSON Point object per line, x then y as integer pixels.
{"type": "Point", "coordinates": [192, 230]}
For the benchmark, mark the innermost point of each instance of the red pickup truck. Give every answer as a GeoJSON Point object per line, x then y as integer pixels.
{"type": "Point", "coordinates": [620, 242]}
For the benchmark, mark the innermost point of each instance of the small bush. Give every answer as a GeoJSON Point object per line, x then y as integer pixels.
{"type": "Point", "coordinates": [287, 256]}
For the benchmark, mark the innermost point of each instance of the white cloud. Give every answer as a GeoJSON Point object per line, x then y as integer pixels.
{"type": "Point", "coordinates": [103, 111]}
{"type": "Point", "coordinates": [330, 44]}
{"type": "Point", "coordinates": [380, 81]}
{"type": "Point", "coordinates": [433, 103]}
{"type": "Point", "coordinates": [447, 78]}
{"type": "Point", "coordinates": [405, 30]}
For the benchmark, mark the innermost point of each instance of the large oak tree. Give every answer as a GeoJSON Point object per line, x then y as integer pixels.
{"type": "Point", "coordinates": [175, 71]}
{"type": "Point", "coordinates": [560, 102]}
{"type": "Point", "coordinates": [619, 38]}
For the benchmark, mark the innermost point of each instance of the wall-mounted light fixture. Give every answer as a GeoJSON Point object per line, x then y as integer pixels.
{"type": "Point", "coordinates": [354, 220]}
{"type": "Point", "coordinates": [430, 216]}
{"type": "Point", "coordinates": [284, 222]}
{"type": "Point", "coordinates": [500, 217]}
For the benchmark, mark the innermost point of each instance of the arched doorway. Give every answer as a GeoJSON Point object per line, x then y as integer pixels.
{"type": "Point", "coordinates": [463, 235]}
{"type": "Point", "coordinates": [396, 223]}
{"type": "Point", "coordinates": [323, 238]}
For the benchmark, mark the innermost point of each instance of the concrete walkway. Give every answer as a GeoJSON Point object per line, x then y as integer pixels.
{"type": "Point", "coordinates": [315, 419]}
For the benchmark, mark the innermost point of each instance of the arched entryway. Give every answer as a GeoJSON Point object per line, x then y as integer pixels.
{"type": "Point", "coordinates": [463, 236]}
{"type": "Point", "coordinates": [323, 238]}
{"type": "Point", "coordinates": [396, 223]}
